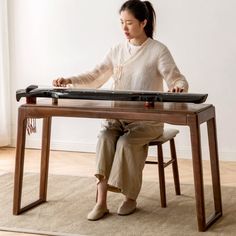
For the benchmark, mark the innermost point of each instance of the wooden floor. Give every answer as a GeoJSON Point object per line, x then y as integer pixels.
{"type": "Point", "coordinates": [82, 164]}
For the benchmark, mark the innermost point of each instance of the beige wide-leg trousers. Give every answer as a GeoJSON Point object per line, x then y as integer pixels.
{"type": "Point", "coordinates": [121, 153]}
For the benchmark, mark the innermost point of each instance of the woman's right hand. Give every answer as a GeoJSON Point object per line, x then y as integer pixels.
{"type": "Point", "coordinates": [61, 82]}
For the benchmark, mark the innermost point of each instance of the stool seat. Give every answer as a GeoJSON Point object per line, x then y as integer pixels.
{"type": "Point", "coordinates": [168, 135]}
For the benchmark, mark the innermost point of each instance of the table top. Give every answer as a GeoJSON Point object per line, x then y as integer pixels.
{"type": "Point", "coordinates": [172, 113]}
{"type": "Point", "coordinates": [116, 106]}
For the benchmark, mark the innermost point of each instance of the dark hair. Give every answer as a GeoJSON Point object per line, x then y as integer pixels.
{"type": "Point", "coordinates": [142, 10]}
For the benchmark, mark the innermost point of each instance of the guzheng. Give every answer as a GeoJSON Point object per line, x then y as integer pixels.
{"type": "Point", "coordinates": [32, 92]}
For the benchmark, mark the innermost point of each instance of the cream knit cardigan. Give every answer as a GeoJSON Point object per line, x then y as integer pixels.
{"type": "Point", "coordinates": [144, 70]}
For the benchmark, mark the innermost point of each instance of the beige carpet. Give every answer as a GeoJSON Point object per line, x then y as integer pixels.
{"type": "Point", "coordinates": [70, 198]}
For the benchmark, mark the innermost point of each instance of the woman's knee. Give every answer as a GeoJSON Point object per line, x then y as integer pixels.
{"type": "Point", "coordinates": [124, 141]}
{"type": "Point", "coordinates": [107, 135]}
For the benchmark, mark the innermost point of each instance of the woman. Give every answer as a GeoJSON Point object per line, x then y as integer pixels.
{"type": "Point", "coordinates": [140, 63]}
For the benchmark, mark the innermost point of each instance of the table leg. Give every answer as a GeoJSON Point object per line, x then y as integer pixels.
{"type": "Point", "coordinates": [45, 158]}
{"type": "Point", "coordinates": [194, 125]}
{"type": "Point", "coordinates": [19, 165]}
{"type": "Point", "coordinates": [197, 171]}
{"type": "Point", "coordinates": [19, 162]}
{"type": "Point", "coordinates": [215, 173]}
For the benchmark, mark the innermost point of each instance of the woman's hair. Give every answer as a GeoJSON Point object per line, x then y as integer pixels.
{"type": "Point", "coordinates": [142, 10]}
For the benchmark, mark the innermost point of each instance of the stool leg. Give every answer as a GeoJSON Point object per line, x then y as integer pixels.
{"type": "Point", "coordinates": [161, 176]}
{"type": "Point", "coordinates": [175, 167]}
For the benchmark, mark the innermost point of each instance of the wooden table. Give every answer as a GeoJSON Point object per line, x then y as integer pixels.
{"type": "Point", "coordinates": [186, 114]}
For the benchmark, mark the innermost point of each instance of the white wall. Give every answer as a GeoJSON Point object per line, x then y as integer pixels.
{"type": "Point", "coordinates": [56, 38]}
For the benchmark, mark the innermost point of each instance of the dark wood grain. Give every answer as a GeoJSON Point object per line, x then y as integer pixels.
{"type": "Point", "coordinates": [191, 115]}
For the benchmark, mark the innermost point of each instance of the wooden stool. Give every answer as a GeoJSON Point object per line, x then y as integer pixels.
{"type": "Point", "coordinates": [168, 135]}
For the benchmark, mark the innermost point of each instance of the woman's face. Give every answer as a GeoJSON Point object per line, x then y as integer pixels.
{"type": "Point", "coordinates": [131, 26]}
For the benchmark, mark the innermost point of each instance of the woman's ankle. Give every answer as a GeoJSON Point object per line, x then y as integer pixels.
{"type": "Point", "coordinates": [129, 199]}
{"type": "Point", "coordinates": [101, 205]}
{"type": "Point", "coordinates": [101, 198]}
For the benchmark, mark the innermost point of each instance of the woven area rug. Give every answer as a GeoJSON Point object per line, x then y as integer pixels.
{"type": "Point", "coordinates": [70, 198]}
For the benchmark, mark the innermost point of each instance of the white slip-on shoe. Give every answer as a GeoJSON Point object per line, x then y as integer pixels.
{"type": "Point", "coordinates": [97, 213]}
{"type": "Point", "coordinates": [127, 208]}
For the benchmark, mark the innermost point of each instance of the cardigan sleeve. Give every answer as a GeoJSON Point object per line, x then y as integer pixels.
{"type": "Point", "coordinates": [96, 77]}
{"type": "Point", "coordinates": [170, 72]}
